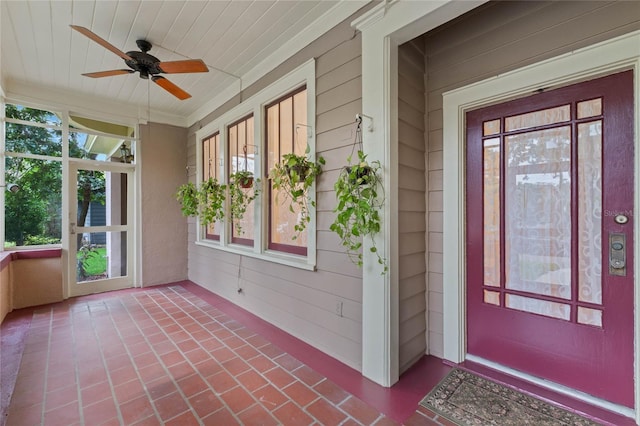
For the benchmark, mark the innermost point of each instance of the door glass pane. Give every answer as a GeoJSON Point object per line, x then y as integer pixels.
{"type": "Point", "coordinates": [538, 212]}
{"type": "Point", "coordinates": [491, 212]}
{"type": "Point", "coordinates": [492, 297]}
{"type": "Point", "coordinates": [101, 255]}
{"type": "Point", "coordinates": [537, 306]}
{"type": "Point", "coordinates": [102, 198]}
{"type": "Point", "coordinates": [590, 108]}
{"type": "Point", "coordinates": [491, 127]}
{"type": "Point", "coordinates": [538, 118]}
{"type": "Point", "coordinates": [590, 211]}
{"type": "Point", "coordinates": [589, 316]}
{"type": "Point", "coordinates": [33, 202]}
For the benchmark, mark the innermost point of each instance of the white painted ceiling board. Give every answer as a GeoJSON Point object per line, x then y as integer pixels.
{"type": "Point", "coordinates": [42, 57]}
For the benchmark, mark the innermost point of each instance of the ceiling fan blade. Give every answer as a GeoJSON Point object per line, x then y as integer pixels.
{"type": "Point", "coordinates": [107, 73]}
{"type": "Point", "coordinates": [170, 87]}
{"type": "Point", "coordinates": [102, 42]}
{"type": "Point", "coordinates": [189, 65]}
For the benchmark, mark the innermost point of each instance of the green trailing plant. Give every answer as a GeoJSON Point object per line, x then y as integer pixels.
{"type": "Point", "coordinates": [206, 202]}
{"type": "Point", "coordinates": [87, 254]}
{"type": "Point", "coordinates": [243, 189]}
{"type": "Point", "coordinates": [211, 198]}
{"type": "Point", "coordinates": [292, 177]}
{"type": "Point", "coordinates": [358, 207]}
{"type": "Point", "coordinates": [187, 196]}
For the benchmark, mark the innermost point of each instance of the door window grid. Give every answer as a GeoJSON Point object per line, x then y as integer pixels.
{"type": "Point", "coordinates": [545, 296]}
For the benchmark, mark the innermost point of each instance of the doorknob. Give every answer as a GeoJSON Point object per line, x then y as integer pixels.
{"type": "Point", "coordinates": [617, 255]}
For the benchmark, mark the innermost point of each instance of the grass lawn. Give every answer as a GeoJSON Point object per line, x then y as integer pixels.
{"type": "Point", "coordinates": [96, 262]}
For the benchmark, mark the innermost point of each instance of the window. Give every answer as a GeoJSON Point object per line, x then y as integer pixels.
{"type": "Point", "coordinates": [33, 168]}
{"type": "Point", "coordinates": [241, 158]}
{"type": "Point", "coordinates": [211, 169]}
{"type": "Point", "coordinates": [253, 136]}
{"type": "Point", "coordinates": [34, 164]}
{"type": "Point", "coordinates": [284, 120]}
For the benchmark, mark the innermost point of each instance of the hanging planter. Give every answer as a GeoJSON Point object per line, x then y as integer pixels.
{"type": "Point", "coordinates": [292, 178]}
{"type": "Point", "coordinates": [211, 201]}
{"type": "Point", "coordinates": [187, 196]}
{"type": "Point", "coordinates": [360, 198]}
{"type": "Point", "coordinates": [242, 192]}
{"type": "Point", "coordinates": [206, 202]}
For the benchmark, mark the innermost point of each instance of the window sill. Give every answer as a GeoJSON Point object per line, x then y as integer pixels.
{"type": "Point", "coordinates": [268, 256]}
{"type": "Point", "coordinates": [49, 253]}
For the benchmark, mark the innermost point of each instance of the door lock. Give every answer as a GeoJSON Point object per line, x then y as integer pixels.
{"type": "Point", "coordinates": [617, 255]}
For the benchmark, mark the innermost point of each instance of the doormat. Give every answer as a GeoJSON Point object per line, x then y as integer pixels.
{"type": "Point", "coordinates": [467, 399]}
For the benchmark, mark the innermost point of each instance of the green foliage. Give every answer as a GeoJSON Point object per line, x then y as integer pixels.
{"type": "Point", "coordinates": [91, 260]}
{"type": "Point", "coordinates": [206, 202]}
{"type": "Point", "coordinates": [96, 263]}
{"type": "Point", "coordinates": [358, 208]}
{"type": "Point", "coordinates": [292, 178]}
{"type": "Point", "coordinates": [211, 201]}
{"type": "Point", "coordinates": [243, 189]}
{"type": "Point", "coordinates": [40, 240]}
{"type": "Point", "coordinates": [187, 195]}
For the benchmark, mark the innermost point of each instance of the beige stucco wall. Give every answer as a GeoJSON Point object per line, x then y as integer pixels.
{"type": "Point", "coordinates": [490, 40]}
{"type": "Point", "coordinates": [36, 281]}
{"type": "Point", "coordinates": [163, 158]}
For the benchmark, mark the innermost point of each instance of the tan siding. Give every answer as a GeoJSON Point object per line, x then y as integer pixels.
{"type": "Point", "coordinates": [492, 39]}
{"type": "Point", "coordinates": [411, 204]}
{"type": "Point", "coordinates": [304, 303]}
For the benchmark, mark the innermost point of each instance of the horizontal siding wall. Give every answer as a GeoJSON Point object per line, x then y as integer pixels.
{"type": "Point", "coordinates": [492, 39]}
{"type": "Point", "coordinates": [411, 203]}
{"type": "Point", "coordinates": [302, 302]}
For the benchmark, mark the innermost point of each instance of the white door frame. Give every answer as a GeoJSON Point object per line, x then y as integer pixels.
{"type": "Point", "coordinates": [621, 53]}
{"type": "Point", "coordinates": [116, 283]}
{"type": "Point", "coordinates": [383, 29]}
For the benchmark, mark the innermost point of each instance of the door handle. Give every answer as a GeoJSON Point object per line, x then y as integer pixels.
{"type": "Point", "coordinates": [617, 254]}
{"type": "Point", "coordinates": [72, 228]}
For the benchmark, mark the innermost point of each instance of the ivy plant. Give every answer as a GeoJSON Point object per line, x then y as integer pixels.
{"type": "Point", "coordinates": [187, 196]}
{"type": "Point", "coordinates": [291, 178]}
{"type": "Point", "coordinates": [243, 189]}
{"type": "Point", "coordinates": [358, 207]}
{"type": "Point", "coordinates": [211, 198]}
{"type": "Point", "coordinates": [206, 202]}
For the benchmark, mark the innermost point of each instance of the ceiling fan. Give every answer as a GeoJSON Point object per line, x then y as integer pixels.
{"type": "Point", "coordinates": [147, 65]}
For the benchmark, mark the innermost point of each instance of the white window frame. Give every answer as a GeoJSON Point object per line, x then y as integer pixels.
{"type": "Point", "coordinates": [65, 112]}
{"type": "Point", "coordinates": [303, 75]}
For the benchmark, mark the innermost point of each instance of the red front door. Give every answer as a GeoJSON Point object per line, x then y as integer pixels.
{"type": "Point", "coordinates": [550, 236]}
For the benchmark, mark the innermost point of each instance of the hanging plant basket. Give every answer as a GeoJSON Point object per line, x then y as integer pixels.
{"type": "Point", "coordinates": [292, 177]}
{"type": "Point", "coordinates": [360, 199]}
{"type": "Point", "coordinates": [241, 194]}
{"type": "Point", "coordinates": [243, 178]}
{"type": "Point", "coordinates": [360, 175]}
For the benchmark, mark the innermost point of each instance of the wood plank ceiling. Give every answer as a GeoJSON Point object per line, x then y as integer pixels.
{"type": "Point", "coordinates": [40, 53]}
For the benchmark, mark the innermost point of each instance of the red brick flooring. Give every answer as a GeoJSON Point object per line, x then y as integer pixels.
{"type": "Point", "coordinates": [165, 356]}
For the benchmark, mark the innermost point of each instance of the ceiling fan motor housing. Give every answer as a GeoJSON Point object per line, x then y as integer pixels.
{"type": "Point", "coordinates": [143, 62]}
